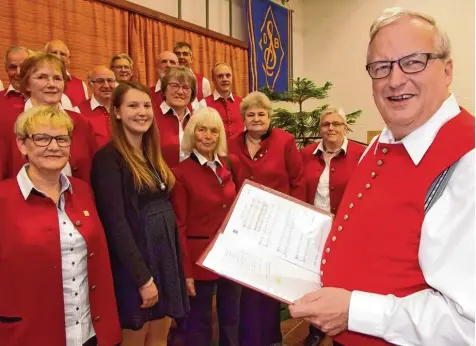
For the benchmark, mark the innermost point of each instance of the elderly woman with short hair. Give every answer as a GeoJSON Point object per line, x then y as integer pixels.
{"type": "Point", "coordinates": [329, 162]}
{"type": "Point", "coordinates": [43, 79]}
{"type": "Point", "coordinates": [206, 186]}
{"type": "Point", "coordinates": [328, 165]}
{"type": "Point", "coordinates": [56, 285]}
{"type": "Point", "coordinates": [179, 87]}
{"type": "Point", "coordinates": [269, 157]}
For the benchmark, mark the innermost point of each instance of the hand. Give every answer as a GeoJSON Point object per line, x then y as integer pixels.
{"type": "Point", "coordinates": [326, 308]}
{"type": "Point", "coordinates": [149, 295]}
{"type": "Point", "coordinates": [191, 287]}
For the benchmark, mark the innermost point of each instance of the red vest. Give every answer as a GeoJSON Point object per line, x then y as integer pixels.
{"type": "Point", "coordinates": [199, 78]}
{"type": "Point", "coordinates": [201, 209]}
{"type": "Point", "coordinates": [277, 164]}
{"type": "Point", "coordinates": [157, 96]}
{"type": "Point", "coordinates": [374, 242]}
{"type": "Point", "coordinates": [75, 91]}
{"type": "Point", "coordinates": [82, 151]}
{"type": "Point", "coordinates": [230, 113]}
{"type": "Point", "coordinates": [340, 171]}
{"type": "Point", "coordinates": [31, 285]}
{"type": "Point", "coordinates": [99, 120]}
{"type": "Point", "coordinates": [168, 125]}
{"type": "Point", "coordinates": [12, 100]}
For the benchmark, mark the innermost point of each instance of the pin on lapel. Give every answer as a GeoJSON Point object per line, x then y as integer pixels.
{"type": "Point", "coordinates": [86, 213]}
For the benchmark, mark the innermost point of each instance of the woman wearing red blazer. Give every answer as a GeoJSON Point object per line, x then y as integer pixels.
{"type": "Point", "coordinates": [269, 157]}
{"type": "Point", "coordinates": [179, 86]}
{"type": "Point", "coordinates": [328, 165]}
{"type": "Point", "coordinates": [55, 278]}
{"type": "Point", "coordinates": [43, 79]}
{"type": "Point", "coordinates": [207, 184]}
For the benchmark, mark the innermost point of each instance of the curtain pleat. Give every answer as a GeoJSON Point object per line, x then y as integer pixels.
{"type": "Point", "coordinates": [95, 31]}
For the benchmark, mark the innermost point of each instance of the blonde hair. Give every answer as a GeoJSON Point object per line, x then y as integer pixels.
{"type": "Point", "coordinates": [32, 63]}
{"type": "Point", "coordinates": [183, 75]}
{"type": "Point", "coordinates": [255, 99]}
{"type": "Point", "coordinates": [142, 174]}
{"type": "Point", "coordinates": [333, 110]}
{"type": "Point", "coordinates": [46, 115]}
{"type": "Point", "coordinates": [209, 117]}
{"type": "Point", "coordinates": [121, 56]}
{"type": "Point", "coordinates": [390, 15]}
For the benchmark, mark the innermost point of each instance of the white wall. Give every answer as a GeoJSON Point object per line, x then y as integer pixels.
{"type": "Point", "coordinates": [193, 11]}
{"type": "Point", "coordinates": [335, 44]}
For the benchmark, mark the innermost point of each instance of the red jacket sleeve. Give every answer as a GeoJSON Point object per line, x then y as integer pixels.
{"type": "Point", "coordinates": [180, 205]}
{"type": "Point", "coordinates": [295, 169]}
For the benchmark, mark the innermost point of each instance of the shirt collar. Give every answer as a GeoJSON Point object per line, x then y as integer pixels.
{"type": "Point", "coordinates": [95, 103]}
{"type": "Point", "coordinates": [157, 86]}
{"type": "Point", "coordinates": [29, 104]}
{"type": "Point", "coordinates": [65, 104]}
{"type": "Point", "coordinates": [11, 89]}
{"type": "Point", "coordinates": [165, 108]}
{"type": "Point", "coordinates": [69, 75]}
{"type": "Point", "coordinates": [217, 96]}
{"type": "Point", "coordinates": [203, 160]}
{"type": "Point", "coordinates": [26, 185]}
{"type": "Point", "coordinates": [320, 146]}
{"type": "Point", "coordinates": [418, 141]}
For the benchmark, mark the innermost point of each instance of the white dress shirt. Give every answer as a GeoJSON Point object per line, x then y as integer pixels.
{"type": "Point", "coordinates": [11, 89]}
{"type": "Point", "coordinates": [1, 86]}
{"type": "Point", "coordinates": [216, 96]}
{"type": "Point", "coordinates": [212, 164]}
{"type": "Point", "coordinates": [443, 315]}
{"type": "Point", "coordinates": [74, 265]}
{"type": "Point", "coordinates": [95, 104]}
{"type": "Point", "coordinates": [157, 86]}
{"type": "Point", "coordinates": [165, 109]}
{"type": "Point", "coordinates": [322, 198]}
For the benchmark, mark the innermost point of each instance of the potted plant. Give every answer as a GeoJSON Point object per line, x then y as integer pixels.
{"type": "Point", "coordinates": [304, 125]}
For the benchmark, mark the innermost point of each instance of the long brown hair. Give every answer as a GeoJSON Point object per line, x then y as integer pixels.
{"type": "Point", "coordinates": [142, 174]}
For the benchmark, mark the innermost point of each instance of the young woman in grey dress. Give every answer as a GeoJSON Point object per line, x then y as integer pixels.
{"type": "Point", "coordinates": [131, 183]}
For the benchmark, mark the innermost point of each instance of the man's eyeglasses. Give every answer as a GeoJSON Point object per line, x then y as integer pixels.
{"type": "Point", "coordinates": [102, 81]}
{"type": "Point", "coordinates": [121, 67]}
{"type": "Point", "coordinates": [43, 140]}
{"type": "Point", "coordinates": [409, 64]}
{"type": "Point", "coordinates": [336, 124]}
{"type": "Point", "coordinates": [184, 54]}
{"type": "Point", "coordinates": [174, 87]}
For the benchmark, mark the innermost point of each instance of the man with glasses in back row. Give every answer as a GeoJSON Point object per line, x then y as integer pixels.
{"type": "Point", "coordinates": [183, 51]}
{"type": "Point", "coordinates": [399, 263]}
{"type": "Point", "coordinates": [96, 109]}
{"type": "Point", "coordinates": [122, 64]}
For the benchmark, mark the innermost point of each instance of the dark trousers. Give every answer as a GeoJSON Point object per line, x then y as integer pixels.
{"type": "Point", "coordinates": [316, 336]}
{"type": "Point", "coordinates": [260, 319]}
{"type": "Point", "coordinates": [198, 330]}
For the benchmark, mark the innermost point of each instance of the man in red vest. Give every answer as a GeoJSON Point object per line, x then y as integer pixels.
{"type": "Point", "coordinates": [102, 82]}
{"type": "Point", "coordinates": [165, 61]}
{"type": "Point", "coordinates": [76, 89]}
{"type": "Point", "coordinates": [183, 51]}
{"type": "Point", "coordinates": [12, 97]}
{"type": "Point", "coordinates": [398, 266]}
{"type": "Point", "coordinates": [224, 101]}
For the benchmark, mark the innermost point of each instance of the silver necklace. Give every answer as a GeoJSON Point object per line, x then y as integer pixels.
{"type": "Point", "coordinates": [162, 185]}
